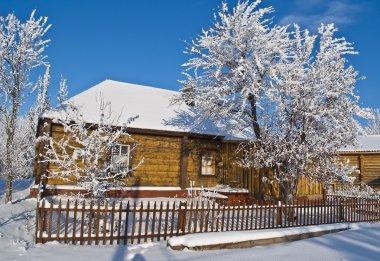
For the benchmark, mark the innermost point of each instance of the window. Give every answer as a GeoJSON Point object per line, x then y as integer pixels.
{"type": "Point", "coordinates": [120, 157]}
{"type": "Point", "coordinates": [208, 163]}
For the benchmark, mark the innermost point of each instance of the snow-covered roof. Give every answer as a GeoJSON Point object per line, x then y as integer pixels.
{"type": "Point", "coordinates": [151, 105]}
{"type": "Point", "coordinates": [368, 143]}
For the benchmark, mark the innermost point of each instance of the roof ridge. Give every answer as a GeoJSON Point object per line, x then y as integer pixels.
{"type": "Point", "coordinates": [126, 84]}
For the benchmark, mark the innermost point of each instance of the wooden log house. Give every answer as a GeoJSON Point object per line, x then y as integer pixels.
{"type": "Point", "coordinates": [175, 152]}
{"type": "Point", "coordinates": [366, 159]}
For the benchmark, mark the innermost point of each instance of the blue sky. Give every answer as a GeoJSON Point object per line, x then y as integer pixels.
{"type": "Point", "coordinates": [143, 41]}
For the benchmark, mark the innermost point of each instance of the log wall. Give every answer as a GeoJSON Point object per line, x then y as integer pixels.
{"type": "Point", "coordinates": [236, 176]}
{"type": "Point", "coordinates": [174, 160]}
{"type": "Point", "coordinates": [367, 165]}
{"type": "Point", "coordinates": [163, 160]}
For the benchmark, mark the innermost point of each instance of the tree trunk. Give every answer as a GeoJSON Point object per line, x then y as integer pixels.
{"type": "Point", "coordinates": [265, 186]}
{"type": "Point", "coordinates": [8, 170]}
{"type": "Point", "coordinates": [288, 190]}
{"type": "Point", "coordinates": [8, 189]}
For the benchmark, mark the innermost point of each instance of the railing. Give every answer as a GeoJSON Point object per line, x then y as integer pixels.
{"type": "Point", "coordinates": [89, 222]}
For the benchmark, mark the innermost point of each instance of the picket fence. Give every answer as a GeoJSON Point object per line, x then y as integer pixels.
{"type": "Point", "coordinates": [128, 223]}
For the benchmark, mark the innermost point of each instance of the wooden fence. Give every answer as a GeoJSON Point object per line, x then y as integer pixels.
{"type": "Point", "coordinates": [90, 222]}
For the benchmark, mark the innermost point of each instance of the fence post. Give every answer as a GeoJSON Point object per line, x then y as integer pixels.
{"type": "Point", "coordinates": [182, 216]}
{"type": "Point", "coordinates": [341, 212]}
{"type": "Point", "coordinates": [279, 214]}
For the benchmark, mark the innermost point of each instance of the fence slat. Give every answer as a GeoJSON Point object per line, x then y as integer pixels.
{"type": "Point", "coordinates": [274, 213]}
{"type": "Point", "coordinates": [190, 217]}
{"type": "Point", "coordinates": [97, 224]}
{"type": "Point", "coordinates": [256, 214]}
{"type": "Point", "coordinates": [252, 215]}
{"type": "Point", "coordinates": [112, 221]}
{"type": "Point", "coordinates": [312, 212]}
{"type": "Point", "coordinates": [50, 221]}
{"type": "Point", "coordinates": [202, 217]}
{"type": "Point", "coordinates": [125, 236]}
{"type": "Point", "coordinates": [212, 216]}
{"type": "Point", "coordinates": [166, 220]}
{"type": "Point", "coordinates": [67, 219]}
{"type": "Point", "coordinates": [90, 213]}
{"type": "Point", "coordinates": [58, 219]}
{"type": "Point", "coordinates": [269, 214]}
{"type": "Point", "coordinates": [261, 214]}
{"type": "Point", "coordinates": [207, 215]}
{"type": "Point", "coordinates": [237, 217]}
{"type": "Point", "coordinates": [153, 221]}
{"type": "Point", "coordinates": [265, 214]}
{"type": "Point", "coordinates": [83, 212]}
{"type": "Point", "coordinates": [140, 223]}
{"type": "Point", "coordinates": [304, 213]}
{"type": "Point", "coordinates": [247, 216]}
{"type": "Point", "coordinates": [233, 217]}
{"type": "Point", "coordinates": [196, 217]}
{"type": "Point", "coordinates": [223, 214]}
{"type": "Point", "coordinates": [119, 224]}
{"type": "Point", "coordinates": [172, 223]}
{"type": "Point", "coordinates": [105, 219]}
{"type": "Point", "coordinates": [147, 222]}
{"type": "Point", "coordinates": [160, 222]}
{"type": "Point", "coordinates": [181, 226]}
{"type": "Point", "coordinates": [75, 221]}
{"type": "Point", "coordinates": [217, 219]}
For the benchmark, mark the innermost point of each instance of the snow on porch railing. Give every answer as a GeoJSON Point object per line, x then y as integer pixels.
{"type": "Point", "coordinates": [90, 222]}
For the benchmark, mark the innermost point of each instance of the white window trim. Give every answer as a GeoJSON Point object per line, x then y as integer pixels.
{"type": "Point", "coordinates": [212, 166]}
{"type": "Point", "coordinates": [127, 158]}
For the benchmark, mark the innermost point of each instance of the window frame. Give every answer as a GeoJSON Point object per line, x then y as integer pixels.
{"type": "Point", "coordinates": [128, 157]}
{"type": "Point", "coordinates": [213, 165]}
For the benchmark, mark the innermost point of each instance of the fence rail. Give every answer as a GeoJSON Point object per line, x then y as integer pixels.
{"type": "Point", "coordinates": [92, 222]}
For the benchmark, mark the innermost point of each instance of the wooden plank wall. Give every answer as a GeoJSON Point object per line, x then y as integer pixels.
{"type": "Point", "coordinates": [162, 165]}
{"type": "Point", "coordinates": [235, 175]}
{"type": "Point", "coordinates": [162, 160]}
{"type": "Point", "coordinates": [161, 157]}
{"type": "Point", "coordinates": [367, 165]}
{"type": "Point", "coordinates": [196, 147]}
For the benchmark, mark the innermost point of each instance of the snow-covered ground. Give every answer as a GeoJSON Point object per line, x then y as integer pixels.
{"type": "Point", "coordinates": [17, 225]}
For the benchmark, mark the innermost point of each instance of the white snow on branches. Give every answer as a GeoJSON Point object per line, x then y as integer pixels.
{"type": "Point", "coordinates": [290, 92]}
{"type": "Point", "coordinates": [22, 47]}
{"type": "Point", "coordinates": [83, 153]}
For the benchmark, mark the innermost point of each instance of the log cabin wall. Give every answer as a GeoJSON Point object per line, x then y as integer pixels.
{"type": "Point", "coordinates": [237, 176]}
{"type": "Point", "coordinates": [173, 160]}
{"type": "Point", "coordinates": [367, 165]}
{"type": "Point", "coordinates": [169, 159]}
{"type": "Point", "coordinates": [196, 148]}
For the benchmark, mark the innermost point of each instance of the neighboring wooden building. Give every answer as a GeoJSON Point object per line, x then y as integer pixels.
{"type": "Point", "coordinates": [366, 159]}
{"type": "Point", "coordinates": [175, 152]}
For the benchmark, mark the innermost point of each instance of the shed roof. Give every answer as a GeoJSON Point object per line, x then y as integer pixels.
{"type": "Point", "coordinates": [367, 143]}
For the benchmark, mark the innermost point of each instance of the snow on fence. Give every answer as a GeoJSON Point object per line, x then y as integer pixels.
{"type": "Point", "coordinates": [110, 223]}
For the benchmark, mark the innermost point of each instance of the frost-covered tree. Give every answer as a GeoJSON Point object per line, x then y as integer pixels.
{"type": "Point", "coordinates": [62, 92]}
{"type": "Point", "coordinates": [22, 48]}
{"type": "Point", "coordinates": [374, 124]}
{"type": "Point", "coordinates": [22, 150]}
{"type": "Point", "coordinates": [84, 152]}
{"type": "Point", "coordinates": [23, 147]}
{"type": "Point", "coordinates": [42, 103]}
{"type": "Point", "coordinates": [290, 94]}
